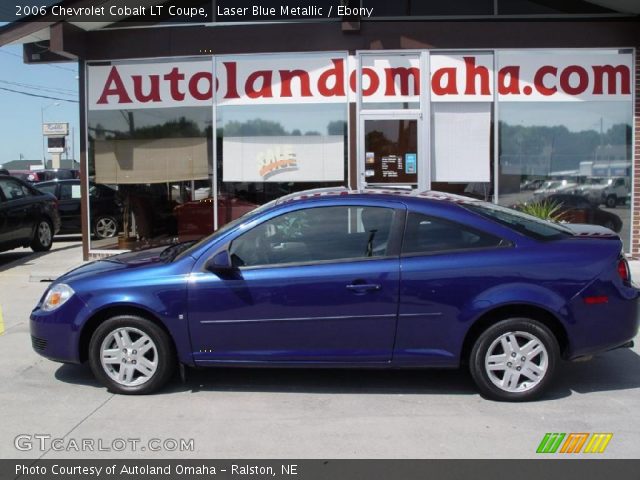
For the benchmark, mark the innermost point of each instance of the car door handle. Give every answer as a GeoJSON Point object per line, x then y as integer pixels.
{"type": "Point", "coordinates": [363, 286]}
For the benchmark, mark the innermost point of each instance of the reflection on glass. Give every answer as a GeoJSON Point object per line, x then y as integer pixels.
{"type": "Point", "coordinates": [576, 155]}
{"type": "Point", "coordinates": [160, 162]}
{"type": "Point", "coordinates": [267, 151]}
{"type": "Point", "coordinates": [391, 151]}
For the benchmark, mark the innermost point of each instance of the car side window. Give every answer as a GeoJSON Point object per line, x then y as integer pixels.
{"type": "Point", "coordinates": [425, 234]}
{"type": "Point", "coordinates": [13, 190]}
{"type": "Point", "coordinates": [65, 192]}
{"type": "Point", "coordinates": [48, 189]}
{"type": "Point", "coordinates": [316, 235]}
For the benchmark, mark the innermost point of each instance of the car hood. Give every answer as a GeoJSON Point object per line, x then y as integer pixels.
{"type": "Point", "coordinates": [123, 261]}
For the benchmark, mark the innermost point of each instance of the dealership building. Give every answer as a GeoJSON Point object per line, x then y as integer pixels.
{"type": "Point", "coordinates": [195, 123]}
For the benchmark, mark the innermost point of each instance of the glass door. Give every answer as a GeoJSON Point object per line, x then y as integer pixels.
{"type": "Point", "coordinates": [392, 135]}
{"type": "Point", "coordinates": [391, 151]}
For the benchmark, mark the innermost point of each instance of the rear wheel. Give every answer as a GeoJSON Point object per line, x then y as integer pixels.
{"type": "Point", "coordinates": [611, 201]}
{"type": "Point", "coordinates": [514, 360]}
{"type": "Point", "coordinates": [131, 355]}
{"type": "Point", "coordinates": [43, 236]}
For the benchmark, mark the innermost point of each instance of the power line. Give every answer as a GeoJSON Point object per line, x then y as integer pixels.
{"type": "Point", "coordinates": [45, 64]}
{"type": "Point", "coordinates": [39, 96]}
{"type": "Point", "coordinates": [61, 91]}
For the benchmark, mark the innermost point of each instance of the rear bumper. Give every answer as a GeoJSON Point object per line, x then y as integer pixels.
{"type": "Point", "coordinates": [602, 327]}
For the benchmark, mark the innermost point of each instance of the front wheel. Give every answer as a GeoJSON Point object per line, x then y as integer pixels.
{"type": "Point", "coordinates": [514, 360]}
{"type": "Point", "coordinates": [131, 355]}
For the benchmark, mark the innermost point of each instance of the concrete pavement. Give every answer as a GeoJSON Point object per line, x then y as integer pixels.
{"type": "Point", "coordinates": [264, 413]}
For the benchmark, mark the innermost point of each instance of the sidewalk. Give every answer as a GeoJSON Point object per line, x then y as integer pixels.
{"type": "Point", "coordinates": [41, 267]}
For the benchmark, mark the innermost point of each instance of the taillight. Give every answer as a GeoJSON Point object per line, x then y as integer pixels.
{"type": "Point", "coordinates": [623, 270]}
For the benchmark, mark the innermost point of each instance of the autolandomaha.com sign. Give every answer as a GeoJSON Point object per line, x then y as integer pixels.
{"type": "Point", "coordinates": [520, 76]}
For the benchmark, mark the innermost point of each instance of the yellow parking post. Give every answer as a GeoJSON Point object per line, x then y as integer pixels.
{"type": "Point", "coordinates": [1, 322]}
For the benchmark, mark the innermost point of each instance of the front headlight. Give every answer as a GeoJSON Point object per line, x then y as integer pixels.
{"type": "Point", "coordinates": [56, 297]}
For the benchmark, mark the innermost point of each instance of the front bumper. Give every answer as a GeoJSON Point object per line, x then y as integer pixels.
{"type": "Point", "coordinates": [56, 335]}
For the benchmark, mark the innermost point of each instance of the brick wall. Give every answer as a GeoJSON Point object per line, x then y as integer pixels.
{"type": "Point", "coordinates": [635, 229]}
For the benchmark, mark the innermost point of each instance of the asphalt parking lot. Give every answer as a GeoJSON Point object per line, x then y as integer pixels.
{"type": "Point", "coordinates": [264, 413]}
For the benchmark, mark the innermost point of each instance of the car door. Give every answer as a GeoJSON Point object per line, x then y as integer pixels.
{"type": "Point", "coordinates": [444, 265]}
{"type": "Point", "coordinates": [311, 285]}
{"type": "Point", "coordinates": [20, 210]}
{"type": "Point", "coordinates": [7, 233]}
{"type": "Point", "coordinates": [69, 205]}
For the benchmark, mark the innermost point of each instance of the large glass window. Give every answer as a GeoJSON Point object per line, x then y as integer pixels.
{"type": "Point", "coordinates": [552, 149]}
{"type": "Point", "coordinates": [160, 162]}
{"type": "Point", "coordinates": [268, 148]}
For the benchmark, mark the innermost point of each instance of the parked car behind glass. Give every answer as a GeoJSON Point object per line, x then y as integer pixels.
{"type": "Point", "coordinates": [28, 217]}
{"type": "Point", "coordinates": [105, 208]}
{"type": "Point", "coordinates": [343, 278]}
{"type": "Point", "coordinates": [578, 209]}
{"type": "Point", "coordinates": [44, 175]}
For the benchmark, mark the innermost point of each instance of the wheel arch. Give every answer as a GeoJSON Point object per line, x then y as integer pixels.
{"type": "Point", "coordinates": [495, 315]}
{"type": "Point", "coordinates": [93, 322]}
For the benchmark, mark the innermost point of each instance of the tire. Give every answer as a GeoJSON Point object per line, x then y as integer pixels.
{"type": "Point", "coordinates": [146, 370]}
{"type": "Point", "coordinates": [105, 226]}
{"type": "Point", "coordinates": [508, 383]}
{"type": "Point", "coordinates": [611, 201]}
{"type": "Point", "coordinates": [610, 225]}
{"type": "Point", "coordinates": [43, 236]}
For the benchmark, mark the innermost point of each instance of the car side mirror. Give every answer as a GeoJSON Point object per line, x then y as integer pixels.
{"type": "Point", "coordinates": [221, 262]}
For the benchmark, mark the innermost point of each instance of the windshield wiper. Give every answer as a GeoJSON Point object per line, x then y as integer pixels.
{"type": "Point", "coordinates": [172, 251]}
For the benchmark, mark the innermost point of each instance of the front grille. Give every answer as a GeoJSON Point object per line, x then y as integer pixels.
{"type": "Point", "coordinates": [38, 343]}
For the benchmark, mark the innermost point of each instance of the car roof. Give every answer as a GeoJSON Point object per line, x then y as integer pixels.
{"type": "Point", "coordinates": [56, 181]}
{"type": "Point", "coordinates": [382, 193]}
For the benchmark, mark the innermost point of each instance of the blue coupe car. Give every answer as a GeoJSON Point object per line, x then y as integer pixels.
{"type": "Point", "coordinates": [342, 278]}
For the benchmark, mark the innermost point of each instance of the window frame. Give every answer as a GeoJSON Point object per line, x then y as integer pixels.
{"type": "Point", "coordinates": [26, 190]}
{"type": "Point", "coordinates": [504, 242]}
{"type": "Point", "coordinates": [396, 233]}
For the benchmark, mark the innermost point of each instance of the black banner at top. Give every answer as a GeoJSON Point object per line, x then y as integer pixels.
{"type": "Point", "coordinates": [181, 11]}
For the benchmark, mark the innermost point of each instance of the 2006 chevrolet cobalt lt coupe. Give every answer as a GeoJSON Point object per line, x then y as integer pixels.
{"type": "Point", "coordinates": [337, 278]}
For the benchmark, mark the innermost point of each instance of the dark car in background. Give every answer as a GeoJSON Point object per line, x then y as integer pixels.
{"type": "Point", "coordinates": [578, 209]}
{"type": "Point", "coordinates": [106, 209]}
{"type": "Point", "coordinates": [28, 217]}
{"type": "Point", "coordinates": [45, 175]}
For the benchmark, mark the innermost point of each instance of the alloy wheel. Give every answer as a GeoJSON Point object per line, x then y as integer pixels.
{"type": "Point", "coordinates": [44, 233]}
{"type": "Point", "coordinates": [106, 227]}
{"type": "Point", "coordinates": [129, 356]}
{"type": "Point", "coordinates": [516, 361]}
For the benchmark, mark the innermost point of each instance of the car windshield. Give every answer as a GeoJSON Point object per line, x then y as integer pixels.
{"type": "Point", "coordinates": [596, 181]}
{"type": "Point", "coordinates": [520, 222]}
{"type": "Point", "coordinates": [224, 229]}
